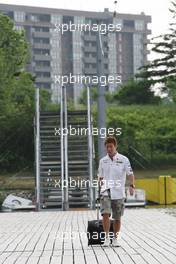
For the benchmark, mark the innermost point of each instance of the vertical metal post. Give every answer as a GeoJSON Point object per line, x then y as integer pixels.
{"type": "Point", "coordinates": [101, 95]}
{"type": "Point", "coordinates": [66, 205]}
{"type": "Point", "coordinates": [37, 148]}
{"type": "Point", "coordinates": [90, 146]}
{"type": "Point", "coordinates": [62, 145]}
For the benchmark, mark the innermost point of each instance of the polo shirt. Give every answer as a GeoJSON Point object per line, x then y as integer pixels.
{"type": "Point", "coordinates": [114, 172]}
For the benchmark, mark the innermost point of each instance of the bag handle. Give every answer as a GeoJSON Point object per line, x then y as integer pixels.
{"type": "Point", "coordinates": [98, 201]}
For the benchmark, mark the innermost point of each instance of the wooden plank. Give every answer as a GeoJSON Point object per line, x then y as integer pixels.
{"type": "Point", "coordinates": [56, 260]}
{"type": "Point", "coordinates": [33, 260]}
{"type": "Point", "coordinates": [40, 237]}
{"type": "Point", "coordinates": [12, 258]}
{"type": "Point", "coordinates": [4, 256]}
{"type": "Point", "coordinates": [113, 256]}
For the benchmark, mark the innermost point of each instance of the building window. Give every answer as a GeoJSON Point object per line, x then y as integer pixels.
{"type": "Point", "coordinates": [139, 25]}
{"type": "Point", "coordinates": [34, 18]}
{"type": "Point", "coordinates": [128, 23]}
{"type": "Point", "coordinates": [19, 16]}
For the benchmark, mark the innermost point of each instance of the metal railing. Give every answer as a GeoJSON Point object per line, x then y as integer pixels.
{"type": "Point", "coordinates": [63, 149]}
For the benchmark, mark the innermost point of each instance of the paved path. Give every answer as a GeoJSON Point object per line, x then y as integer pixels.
{"type": "Point", "coordinates": [148, 236]}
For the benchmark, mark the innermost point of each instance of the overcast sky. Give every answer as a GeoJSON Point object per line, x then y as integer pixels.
{"type": "Point", "coordinates": [158, 9]}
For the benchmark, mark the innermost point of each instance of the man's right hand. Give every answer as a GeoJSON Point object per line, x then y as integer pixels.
{"type": "Point", "coordinates": [101, 181]}
{"type": "Point", "coordinates": [131, 190]}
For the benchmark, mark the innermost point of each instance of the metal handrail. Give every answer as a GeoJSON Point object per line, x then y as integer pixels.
{"type": "Point", "coordinates": [90, 147]}
{"type": "Point", "coordinates": [37, 149]}
{"type": "Point", "coordinates": [66, 204]}
{"type": "Point", "coordinates": [62, 142]}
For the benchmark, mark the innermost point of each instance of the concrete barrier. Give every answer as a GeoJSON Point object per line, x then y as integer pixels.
{"type": "Point", "coordinates": [161, 190]}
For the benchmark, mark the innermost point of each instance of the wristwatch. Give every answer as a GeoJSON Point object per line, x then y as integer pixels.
{"type": "Point", "coordinates": [132, 185]}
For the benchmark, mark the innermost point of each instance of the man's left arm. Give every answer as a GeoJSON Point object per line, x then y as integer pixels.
{"type": "Point", "coordinates": [132, 185]}
{"type": "Point", "coordinates": [130, 175]}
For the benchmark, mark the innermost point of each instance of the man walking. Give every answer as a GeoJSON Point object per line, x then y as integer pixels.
{"type": "Point", "coordinates": [112, 172]}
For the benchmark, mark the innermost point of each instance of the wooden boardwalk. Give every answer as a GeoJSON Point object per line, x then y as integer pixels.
{"type": "Point", "coordinates": [148, 236]}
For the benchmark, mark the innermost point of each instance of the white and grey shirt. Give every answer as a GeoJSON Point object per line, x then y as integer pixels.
{"type": "Point", "coordinates": [114, 173]}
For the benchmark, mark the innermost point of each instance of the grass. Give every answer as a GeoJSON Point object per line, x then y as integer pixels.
{"type": "Point", "coordinates": [14, 181]}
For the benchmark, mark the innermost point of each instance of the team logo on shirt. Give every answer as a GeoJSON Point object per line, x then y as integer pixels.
{"type": "Point", "coordinates": [105, 161]}
{"type": "Point", "coordinates": [118, 161]}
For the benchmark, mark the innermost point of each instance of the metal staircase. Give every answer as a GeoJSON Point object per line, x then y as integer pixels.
{"type": "Point", "coordinates": [50, 161]}
{"type": "Point", "coordinates": [78, 160]}
{"type": "Point", "coordinates": [64, 163]}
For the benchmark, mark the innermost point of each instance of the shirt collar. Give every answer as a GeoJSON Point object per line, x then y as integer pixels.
{"type": "Point", "coordinates": [114, 157]}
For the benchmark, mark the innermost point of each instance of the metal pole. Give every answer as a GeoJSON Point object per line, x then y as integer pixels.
{"type": "Point", "coordinates": [62, 145]}
{"type": "Point", "coordinates": [66, 205]}
{"type": "Point", "coordinates": [101, 105]}
{"type": "Point", "coordinates": [37, 148]}
{"type": "Point", "coordinates": [90, 145]}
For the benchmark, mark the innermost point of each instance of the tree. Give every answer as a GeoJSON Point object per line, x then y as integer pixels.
{"type": "Point", "coordinates": [83, 97]}
{"type": "Point", "coordinates": [13, 51]}
{"type": "Point", "coordinates": [164, 67]}
{"type": "Point", "coordinates": [17, 98]}
{"type": "Point", "coordinates": [150, 129]}
{"type": "Point", "coordinates": [171, 88]}
{"type": "Point", "coordinates": [136, 92]}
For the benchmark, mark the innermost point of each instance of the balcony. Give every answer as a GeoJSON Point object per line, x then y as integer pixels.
{"type": "Point", "coordinates": [41, 34]}
{"type": "Point", "coordinates": [42, 69]}
{"type": "Point", "coordinates": [41, 46]}
{"type": "Point", "coordinates": [42, 57]}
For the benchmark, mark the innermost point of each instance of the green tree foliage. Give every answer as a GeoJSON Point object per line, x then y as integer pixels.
{"type": "Point", "coordinates": [17, 99]}
{"type": "Point", "coordinates": [83, 97]}
{"type": "Point", "coordinates": [135, 92]}
{"type": "Point", "coordinates": [13, 52]}
{"type": "Point", "coordinates": [149, 129]}
{"type": "Point", "coordinates": [171, 88]}
{"type": "Point", "coordinates": [164, 67]}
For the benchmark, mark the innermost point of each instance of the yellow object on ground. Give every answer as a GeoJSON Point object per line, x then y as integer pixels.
{"type": "Point", "coordinates": [161, 190]}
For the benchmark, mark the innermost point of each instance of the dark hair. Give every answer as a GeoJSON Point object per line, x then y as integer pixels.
{"type": "Point", "coordinates": [112, 140]}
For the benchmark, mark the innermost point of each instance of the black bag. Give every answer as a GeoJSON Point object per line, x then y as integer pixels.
{"type": "Point", "coordinates": [95, 232]}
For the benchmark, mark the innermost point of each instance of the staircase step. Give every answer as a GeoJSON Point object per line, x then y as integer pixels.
{"type": "Point", "coordinates": [49, 127]}
{"type": "Point", "coordinates": [51, 189]}
{"type": "Point", "coordinates": [46, 113]}
{"type": "Point", "coordinates": [50, 163]}
{"type": "Point", "coordinates": [58, 151]}
{"type": "Point", "coordinates": [77, 112]}
{"type": "Point", "coordinates": [50, 145]}
{"type": "Point", "coordinates": [54, 147]}
{"type": "Point", "coordinates": [70, 190]}
{"type": "Point", "coordinates": [49, 140]}
{"type": "Point", "coordinates": [76, 124]}
{"type": "Point", "coordinates": [53, 169]}
{"type": "Point", "coordinates": [50, 151]}
{"type": "Point", "coordinates": [50, 159]}
{"type": "Point", "coordinates": [55, 172]}
{"type": "Point", "coordinates": [79, 198]}
{"type": "Point", "coordinates": [57, 204]}
{"type": "Point", "coordinates": [49, 135]}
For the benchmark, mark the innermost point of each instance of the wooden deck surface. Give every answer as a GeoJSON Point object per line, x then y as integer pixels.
{"type": "Point", "coordinates": [147, 236]}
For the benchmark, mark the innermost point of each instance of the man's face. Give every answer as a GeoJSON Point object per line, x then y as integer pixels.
{"type": "Point", "coordinates": [111, 149]}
